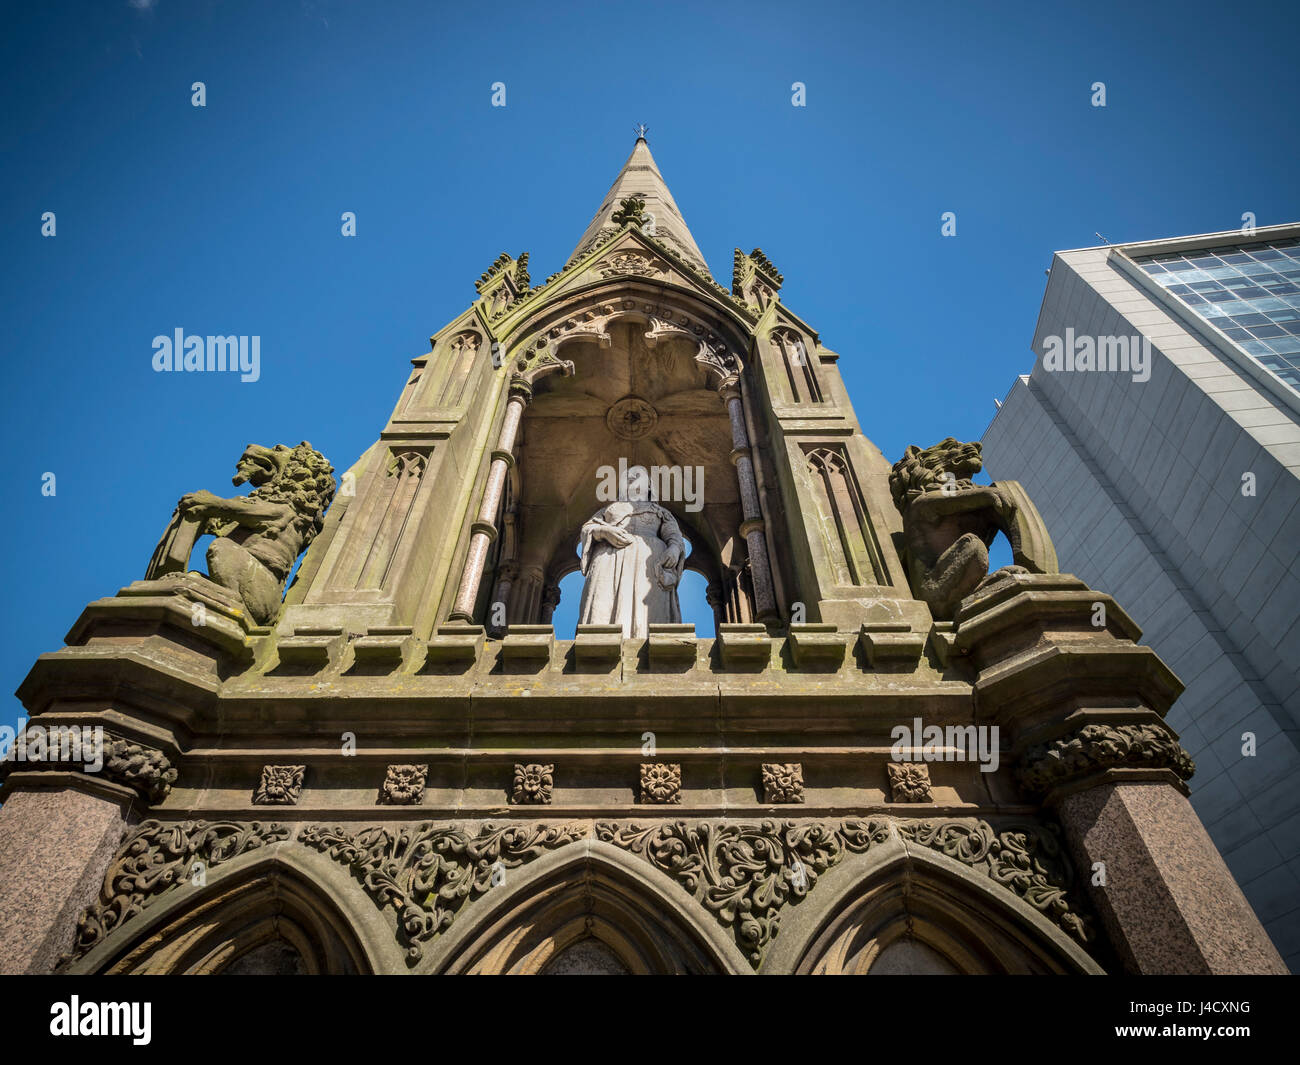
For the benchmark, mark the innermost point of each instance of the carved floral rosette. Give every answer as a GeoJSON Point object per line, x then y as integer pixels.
{"type": "Point", "coordinates": [1097, 747]}
{"type": "Point", "coordinates": [909, 781]}
{"type": "Point", "coordinates": [783, 782]}
{"type": "Point", "coordinates": [661, 783]}
{"type": "Point", "coordinates": [533, 784]}
{"type": "Point", "coordinates": [281, 785]}
{"type": "Point", "coordinates": [404, 784]}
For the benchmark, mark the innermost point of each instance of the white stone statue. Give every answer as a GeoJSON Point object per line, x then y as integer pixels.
{"type": "Point", "coordinates": [632, 556]}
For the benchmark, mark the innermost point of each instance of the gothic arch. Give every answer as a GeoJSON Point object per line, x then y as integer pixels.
{"type": "Point", "coordinates": [668, 312]}
{"type": "Point", "coordinates": [898, 895]}
{"type": "Point", "coordinates": [657, 355]}
{"type": "Point", "coordinates": [589, 890]}
{"type": "Point", "coordinates": [254, 902]}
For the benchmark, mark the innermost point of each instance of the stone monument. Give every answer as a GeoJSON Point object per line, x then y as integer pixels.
{"type": "Point", "coordinates": [886, 760]}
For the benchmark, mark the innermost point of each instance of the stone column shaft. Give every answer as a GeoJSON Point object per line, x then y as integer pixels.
{"type": "Point", "coordinates": [1168, 902]}
{"type": "Point", "coordinates": [752, 528]}
{"type": "Point", "coordinates": [484, 527]}
{"type": "Point", "coordinates": [55, 844]}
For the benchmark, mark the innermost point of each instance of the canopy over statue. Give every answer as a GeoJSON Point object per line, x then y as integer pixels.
{"type": "Point", "coordinates": [632, 556]}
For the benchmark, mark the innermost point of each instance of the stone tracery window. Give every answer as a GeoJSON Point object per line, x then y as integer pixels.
{"type": "Point", "coordinates": [855, 554]}
{"type": "Point", "coordinates": [802, 378]}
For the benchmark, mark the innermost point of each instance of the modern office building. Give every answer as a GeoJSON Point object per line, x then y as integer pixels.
{"type": "Point", "coordinates": [1159, 436]}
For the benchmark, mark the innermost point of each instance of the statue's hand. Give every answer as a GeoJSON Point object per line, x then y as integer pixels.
{"type": "Point", "coordinates": [670, 558]}
{"type": "Point", "coordinates": [615, 537]}
{"type": "Point", "coordinates": [192, 504]}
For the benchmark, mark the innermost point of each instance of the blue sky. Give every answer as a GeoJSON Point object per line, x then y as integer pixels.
{"type": "Point", "coordinates": [225, 219]}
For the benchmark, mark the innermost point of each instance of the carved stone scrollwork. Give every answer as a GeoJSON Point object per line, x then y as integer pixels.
{"type": "Point", "coordinates": [1097, 747]}
{"type": "Point", "coordinates": [783, 782]}
{"type": "Point", "coordinates": [281, 785]}
{"type": "Point", "coordinates": [404, 784]}
{"type": "Point", "coordinates": [746, 873]}
{"type": "Point", "coordinates": [426, 873]}
{"type": "Point", "coordinates": [1028, 861]}
{"type": "Point", "coordinates": [533, 785]}
{"type": "Point", "coordinates": [155, 857]}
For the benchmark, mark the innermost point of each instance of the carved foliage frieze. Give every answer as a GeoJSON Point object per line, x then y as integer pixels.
{"type": "Point", "coordinates": [746, 873]}
{"type": "Point", "coordinates": [156, 857]}
{"type": "Point", "coordinates": [426, 872]}
{"type": "Point", "coordinates": [1027, 860]}
{"type": "Point", "coordinates": [743, 873]}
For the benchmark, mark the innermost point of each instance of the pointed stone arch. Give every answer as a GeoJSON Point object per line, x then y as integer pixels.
{"type": "Point", "coordinates": [876, 905]}
{"type": "Point", "coordinates": [669, 312]}
{"type": "Point", "coordinates": [586, 891]}
{"type": "Point", "coordinates": [276, 898]}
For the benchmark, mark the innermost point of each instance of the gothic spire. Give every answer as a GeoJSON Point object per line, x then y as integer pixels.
{"type": "Point", "coordinates": [640, 179]}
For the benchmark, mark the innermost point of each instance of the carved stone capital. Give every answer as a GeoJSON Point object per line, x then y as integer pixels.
{"type": "Point", "coordinates": [1098, 747]}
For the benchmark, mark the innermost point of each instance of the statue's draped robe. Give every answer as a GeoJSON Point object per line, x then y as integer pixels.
{"type": "Point", "coordinates": [625, 585]}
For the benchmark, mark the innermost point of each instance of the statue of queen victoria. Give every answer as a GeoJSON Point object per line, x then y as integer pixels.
{"type": "Point", "coordinates": [632, 557]}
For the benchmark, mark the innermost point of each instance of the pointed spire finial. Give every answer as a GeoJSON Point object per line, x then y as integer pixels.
{"type": "Point", "coordinates": [641, 130]}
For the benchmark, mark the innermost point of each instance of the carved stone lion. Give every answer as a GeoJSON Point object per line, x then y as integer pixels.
{"type": "Point", "coordinates": [949, 522]}
{"type": "Point", "coordinates": [258, 536]}
{"type": "Point", "coordinates": [948, 462]}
